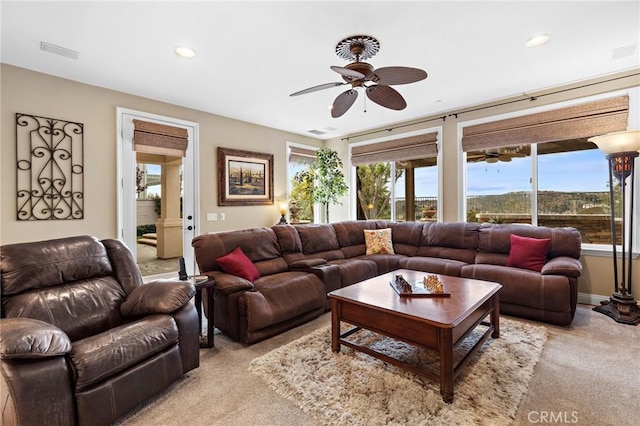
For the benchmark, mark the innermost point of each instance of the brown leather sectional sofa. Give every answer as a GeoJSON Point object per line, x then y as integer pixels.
{"type": "Point", "coordinates": [300, 264]}
{"type": "Point", "coordinates": [82, 340]}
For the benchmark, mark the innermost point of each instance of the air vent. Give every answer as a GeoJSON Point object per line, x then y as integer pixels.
{"type": "Point", "coordinates": [624, 51]}
{"type": "Point", "coordinates": [57, 50]}
{"type": "Point", "coordinates": [316, 132]}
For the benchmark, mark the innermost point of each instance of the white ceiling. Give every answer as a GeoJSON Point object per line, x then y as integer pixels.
{"type": "Point", "coordinates": [252, 55]}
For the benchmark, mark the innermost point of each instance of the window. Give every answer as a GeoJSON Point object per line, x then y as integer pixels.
{"type": "Point", "coordinates": [573, 189]}
{"type": "Point", "coordinates": [499, 185]}
{"type": "Point", "coordinates": [541, 169]}
{"type": "Point", "coordinates": [300, 180]}
{"type": "Point", "coordinates": [397, 179]}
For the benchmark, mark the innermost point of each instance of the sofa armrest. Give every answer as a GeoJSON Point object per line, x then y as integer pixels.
{"type": "Point", "coordinates": [28, 338]}
{"type": "Point", "coordinates": [227, 283]}
{"type": "Point", "coordinates": [563, 265]}
{"type": "Point", "coordinates": [158, 297]}
{"type": "Point", "coordinates": [305, 264]}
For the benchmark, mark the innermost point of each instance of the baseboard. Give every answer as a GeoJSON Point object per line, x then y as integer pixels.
{"type": "Point", "coordinates": [591, 299]}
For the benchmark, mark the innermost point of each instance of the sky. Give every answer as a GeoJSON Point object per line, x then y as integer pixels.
{"type": "Point", "coordinates": [580, 171]}
{"type": "Point", "coordinates": [153, 169]}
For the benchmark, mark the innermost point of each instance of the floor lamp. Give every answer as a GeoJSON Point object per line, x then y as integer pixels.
{"type": "Point", "coordinates": [621, 149]}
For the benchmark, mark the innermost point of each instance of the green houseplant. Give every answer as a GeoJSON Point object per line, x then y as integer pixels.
{"type": "Point", "coordinates": [328, 180]}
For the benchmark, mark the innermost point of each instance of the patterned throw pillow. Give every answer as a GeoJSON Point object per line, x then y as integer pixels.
{"type": "Point", "coordinates": [378, 241]}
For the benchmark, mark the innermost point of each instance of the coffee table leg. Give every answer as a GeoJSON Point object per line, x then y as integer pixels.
{"type": "Point", "coordinates": [446, 365]}
{"type": "Point", "coordinates": [335, 325]}
{"type": "Point", "coordinates": [495, 317]}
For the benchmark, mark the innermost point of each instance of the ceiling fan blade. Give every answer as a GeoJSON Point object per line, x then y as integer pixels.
{"type": "Point", "coordinates": [386, 96]}
{"type": "Point", "coordinates": [318, 87]}
{"type": "Point", "coordinates": [346, 72]}
{"type": "Point", "coordinates": [343, 102]}
{"type": "Point", "coordinates": [398, 75]}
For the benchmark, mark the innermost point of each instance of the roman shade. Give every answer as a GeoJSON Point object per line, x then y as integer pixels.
{"type": "Point", "coordinates": [409, 148]}
{"type": "Point", "coordinates": [160, 139]}
{"type": "Point", "coordinates": [577, 121]}
{"type": "Point", "coordinates": [301, 155]}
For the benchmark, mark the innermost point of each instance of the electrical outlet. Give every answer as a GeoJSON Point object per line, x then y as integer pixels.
{"type": "Point", "coordinates": [212, 216]}
{"type": "Point", "coordinates": [222, 216]}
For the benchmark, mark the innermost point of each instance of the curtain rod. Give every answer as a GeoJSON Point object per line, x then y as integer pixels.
{"type": "Point", "coordinates": [529, 98]}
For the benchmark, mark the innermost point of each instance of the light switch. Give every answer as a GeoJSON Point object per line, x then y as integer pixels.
{"type": "Point", "coordinates": [212, 216]}
{"type": "Point", "coordinates": [222, 216]}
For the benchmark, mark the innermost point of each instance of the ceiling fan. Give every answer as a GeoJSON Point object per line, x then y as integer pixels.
{"type": "Point", "coordinates": [375, 82]}
{"type": "Point", "coordinates": [493, 155]}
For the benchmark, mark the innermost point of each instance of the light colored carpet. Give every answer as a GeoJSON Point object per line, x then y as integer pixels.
{"type": "Point", "coordinates": [353, 388]}
{"type": "Point", "coordinates": [587, 370]}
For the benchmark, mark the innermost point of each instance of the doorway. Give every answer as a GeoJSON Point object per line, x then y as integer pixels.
{"type": "Point", "coordinates": [177, 204]}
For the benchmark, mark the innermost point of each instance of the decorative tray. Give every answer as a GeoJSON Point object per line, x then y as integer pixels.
{"type": "Point", "coordinates": [429, 287]}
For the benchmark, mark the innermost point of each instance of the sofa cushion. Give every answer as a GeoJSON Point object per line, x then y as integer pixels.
{"type": "Point", "coordinates": [524, 287]}
{"type": "Point", "coordinates": [355, 270]}
{"type": "Point", "coordinates": [258, 244]}
{"type": "Point", "coordinates": [350, 236]}
{"type": "Point", "coordinates": [378, 241]}
{"type": "Point", "coordinates": [103, 355]}
{"type": "Point", "coordinates": [320, 242]}
{"type": "Point", "coordinates": [238, 264]}
{"type": "Point", "coordinates": [80, 308]}
{"type": "Point", "coordinates": [282, 296]}
{"type": "Point", "coordinates": [434, 265]}
{"type": "Point", "coordinates": [496, 238]}
{"type": "Point", "coordinates": [528, 253]}
{"type": "Point", "coordinates": [33, 266]}
{"type": "Point", "coordinates": [317, 238]}
{"type": "Point", "coordinates": [406, 235]}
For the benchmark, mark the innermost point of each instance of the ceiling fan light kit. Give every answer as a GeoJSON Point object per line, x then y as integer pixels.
{"type": "Point", "coordinates": [375, 82]}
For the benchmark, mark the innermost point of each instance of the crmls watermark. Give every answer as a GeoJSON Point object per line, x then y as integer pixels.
{"type": "Point", "coordinates": [553, 417]}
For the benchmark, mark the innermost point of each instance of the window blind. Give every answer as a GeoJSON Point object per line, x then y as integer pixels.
{"type": "Point", "coordinates": [301, 155]}
{"type": "Point", "coordinates": [409, 148]}
{"type": "Point", "coordinates": [577, 121]}
{"type": "Point", "coordinates": [160, 139]}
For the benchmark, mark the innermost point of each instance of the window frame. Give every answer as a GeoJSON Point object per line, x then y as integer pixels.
{"type": "Point", "coordinates": [633, 123]}
{"type": "Point", "coordinates": [287, 190]}
{"type": "Point", "coordinates": [353, 176]}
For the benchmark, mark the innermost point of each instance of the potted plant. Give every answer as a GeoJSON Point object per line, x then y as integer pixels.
{"type": "Point", "coordinates": [328, 180]}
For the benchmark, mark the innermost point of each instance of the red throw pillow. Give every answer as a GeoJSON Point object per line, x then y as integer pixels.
{"type": "Point", "coordinates": [528, 253]}
{"type": "Point", "coordinates": [237, 263]}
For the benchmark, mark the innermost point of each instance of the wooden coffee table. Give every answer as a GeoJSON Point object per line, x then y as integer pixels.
{"type": "Point", "coordinates": [436, 323]}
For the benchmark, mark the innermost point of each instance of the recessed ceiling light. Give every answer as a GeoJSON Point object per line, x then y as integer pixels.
{"type": "Point", "coordinates": [185, 52]}
{"type": "Point", "coordinates": [538, 40]}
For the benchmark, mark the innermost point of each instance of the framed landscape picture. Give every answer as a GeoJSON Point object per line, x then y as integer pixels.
{"type": "Point", "coordinates": [245, 178]}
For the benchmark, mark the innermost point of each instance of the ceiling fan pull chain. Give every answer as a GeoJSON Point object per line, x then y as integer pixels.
{"type": "Point", "coordinates": [365, 103]}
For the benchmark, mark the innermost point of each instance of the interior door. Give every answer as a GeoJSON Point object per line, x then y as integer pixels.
{"type": "Point", "coordinates": [127, 182]}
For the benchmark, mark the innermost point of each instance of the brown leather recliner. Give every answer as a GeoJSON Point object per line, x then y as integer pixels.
{"type": "Point", "coordinates": [82, 339]}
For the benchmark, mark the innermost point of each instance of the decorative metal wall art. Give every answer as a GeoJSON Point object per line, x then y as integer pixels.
{"type": "Point", "coordinates": [50, 168]}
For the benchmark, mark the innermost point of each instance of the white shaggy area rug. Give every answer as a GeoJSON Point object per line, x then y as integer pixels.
{"type": "Point", "coordinates": [355, 389]}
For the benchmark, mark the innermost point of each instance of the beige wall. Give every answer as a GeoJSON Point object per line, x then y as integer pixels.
{"type": "Point", "coordinates": [38, 94]}
{"type": "Point", "coordinates": [43, 95]}
{"type": "Point", "coordinates": [598, 269]}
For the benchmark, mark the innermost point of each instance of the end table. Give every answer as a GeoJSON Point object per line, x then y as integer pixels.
{"type": "Point", "coordinates": [201, 282]}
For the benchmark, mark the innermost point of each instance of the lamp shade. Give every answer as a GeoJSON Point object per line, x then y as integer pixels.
{"type": "Point", "coordinates": [283, 205]}
{"type": "Point", "coordinates": [612, 143]}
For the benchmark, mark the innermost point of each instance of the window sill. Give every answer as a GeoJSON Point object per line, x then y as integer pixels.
{"type": "Point", "coordinates": [601, 250]}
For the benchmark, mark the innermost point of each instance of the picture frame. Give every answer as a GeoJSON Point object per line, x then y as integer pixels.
{"type": "Point", "coordinates": [245, 178]}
